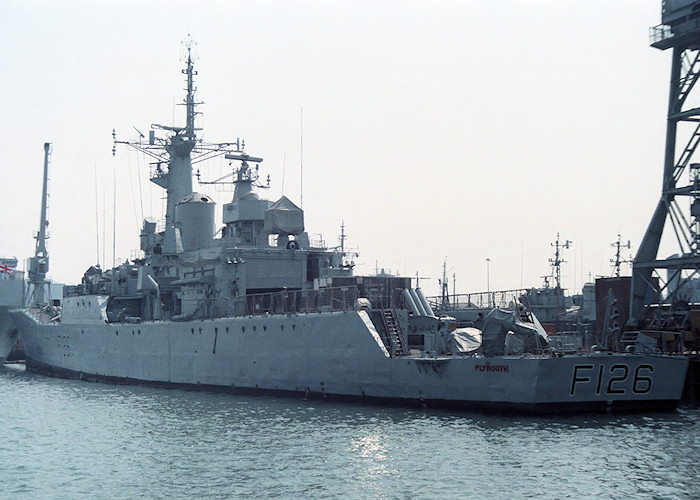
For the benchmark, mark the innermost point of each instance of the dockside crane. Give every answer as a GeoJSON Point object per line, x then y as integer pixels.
{"type": "Point", "coordinates": [660, 284]}
{"type": "Point", "coordinates": [38, 291]}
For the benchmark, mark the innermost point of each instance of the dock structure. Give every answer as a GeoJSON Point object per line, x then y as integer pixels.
{"type": "Point", "coordinates": [660, 285]}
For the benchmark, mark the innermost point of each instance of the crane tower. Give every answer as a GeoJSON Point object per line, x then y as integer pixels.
{"type": "Point", "coordinates": [663, 280]}
{"type": "Point", "coordinates": [39, 291]}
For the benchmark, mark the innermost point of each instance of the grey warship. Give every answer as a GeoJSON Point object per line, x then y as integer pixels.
{"type": "Point", "coordinates": [256, 307]}
{"type": "Point", "coordinates": [11, 292]}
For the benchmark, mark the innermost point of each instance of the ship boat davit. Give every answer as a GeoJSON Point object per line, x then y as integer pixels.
{"type": "Point", "coordinates": [256, 306]}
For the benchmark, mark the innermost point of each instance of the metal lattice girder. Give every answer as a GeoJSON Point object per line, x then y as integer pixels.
{"type": "Point", "coordinates": [681, 227]}
{"type": "Point", "coordinates": [692, 71]}
{"type": "Point", "coordinates": [685, 156]}
{"type": "Point", "coordinates": [685, 72]}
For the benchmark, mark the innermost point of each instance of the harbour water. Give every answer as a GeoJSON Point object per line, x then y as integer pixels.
{"type": "Point", "coordinates": [72, 439]}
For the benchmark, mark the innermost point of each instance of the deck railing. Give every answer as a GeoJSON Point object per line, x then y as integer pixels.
{"type": "Point", "coordinates": [284, 302]}
{"type": "Point", "coordinates": [505, 299]}
{"type": "Point", "coordinates": [659, 33]}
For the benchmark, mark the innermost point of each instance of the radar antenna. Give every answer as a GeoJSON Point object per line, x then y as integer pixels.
{"type": "Point", "coordinates": [244, 174]}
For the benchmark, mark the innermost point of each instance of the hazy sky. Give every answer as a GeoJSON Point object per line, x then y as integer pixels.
{"type": "Point", "coordinates": [456, 130]}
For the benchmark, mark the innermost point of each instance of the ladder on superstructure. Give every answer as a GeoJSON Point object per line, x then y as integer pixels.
{"type": "Point", "coordinates": [392, 329]}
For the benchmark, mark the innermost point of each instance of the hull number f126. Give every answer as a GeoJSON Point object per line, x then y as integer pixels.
{"type": "Point", "coordinates": [615, 380]}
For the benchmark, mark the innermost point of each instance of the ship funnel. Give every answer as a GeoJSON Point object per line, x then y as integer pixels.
{"type": "Point", "coordinates": [194, 215]}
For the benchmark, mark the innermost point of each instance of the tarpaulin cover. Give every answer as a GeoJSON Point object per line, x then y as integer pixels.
{"type": "Point", "coordinates": [284, 217]}
{"type": "Point", "coordinates": [498, 323]}
{"type": "Point", "coordinates": [464, 340]}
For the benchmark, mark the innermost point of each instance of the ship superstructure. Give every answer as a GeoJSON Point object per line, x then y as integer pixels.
{"type": "Point", "coordinates": [185, 272]}
{"type": "Point", "coordinates": [256, 306]}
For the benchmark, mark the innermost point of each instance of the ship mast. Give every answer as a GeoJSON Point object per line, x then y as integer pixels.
{"type": "Point", "coordinates": [618, 261]}
{"type": "Point", "coordinates": [178, 179]}
{"type": "Point", "coordinates": [37, 294]}
{"type": "Point", "coordinates": [173, 150]}
{"type": "Point", "coordinates": [444, 288]}
{"type": "Point", "coordinates": [558, 260]}
{"type": "Point", "coordinates": [189, 99]}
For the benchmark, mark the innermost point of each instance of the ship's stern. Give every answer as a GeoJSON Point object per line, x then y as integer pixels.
{"type": "Point", "coordinates": [611, 381]}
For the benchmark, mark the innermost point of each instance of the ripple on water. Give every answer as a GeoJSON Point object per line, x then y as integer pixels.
{"type": "Point", "coordinates": [71, 439]}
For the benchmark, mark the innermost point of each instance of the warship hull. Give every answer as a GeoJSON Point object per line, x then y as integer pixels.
{"type": "Point", "coordinates": [8, 334]}
{"type": "Point", "coordinates": [258, 306]}
{"type": "Point", "coordinates": [341, 355]}
{"type": "Point", "coordinates": [10, 296]}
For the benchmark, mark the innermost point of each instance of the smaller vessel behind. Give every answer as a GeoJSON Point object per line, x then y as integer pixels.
{"type": "Point", "coordinates": [11, 294]}
{"type": "Point", "coordinates": [15, 292]}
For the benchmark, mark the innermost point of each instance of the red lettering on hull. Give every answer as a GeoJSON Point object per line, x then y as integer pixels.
{"type": "Point", "coordinates": [491, 368]}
